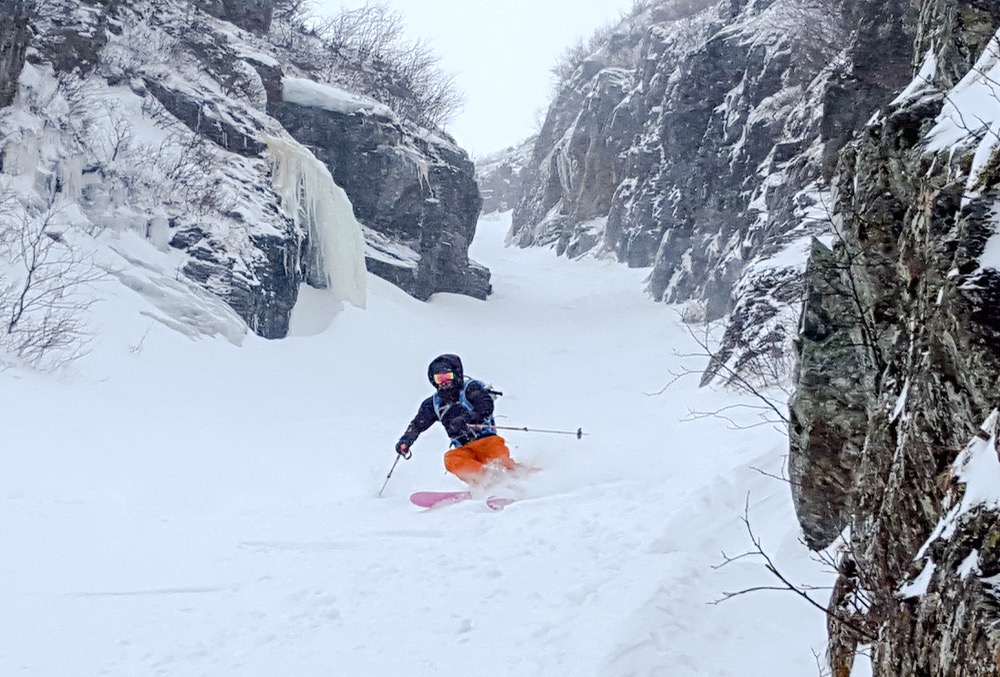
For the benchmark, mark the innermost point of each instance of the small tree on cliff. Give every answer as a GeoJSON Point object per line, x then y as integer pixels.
{"type": "Point", "coordinates": [366, 50]}
{"type": "Point", "coordinates": [369, 43]}
{"type": "Point", "coordinates": [41, 304]}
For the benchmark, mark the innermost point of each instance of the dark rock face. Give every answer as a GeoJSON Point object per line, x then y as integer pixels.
{"type": "Point", "coordinates": [264, 293]}
{"type": "Point", "coordinates": [500, 189]}
{"type": "Point", "coordinates": [413, 190]}
{"type": "Point", "coordinates": [14, 39]}
{"type": "Point", "coordinates": [501, 177]}
{"type": "Point", "coordinates": [729, 154]}
{"type": "Point", "coordinates": [253, 15]}
{"type": "Point", "coordinates": [202, 117]}
{"type": "Point", "coordinates": [75, 33]}
{"type": "Point", "coordinates": [573, 172]}
{"type": "Point", "coordinates": [708, 153]}
{"type": "Point", "coordinates": [213, 96]}
{"type": "Point", "coordinates": [879, 63]}
{"type": "Point", "coordinates": [897, 370]}
{"type": "Point", "coordinates": [827, 431]}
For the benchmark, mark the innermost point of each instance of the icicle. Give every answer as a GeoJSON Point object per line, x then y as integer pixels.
{"type": "Point", "coordinates": [21, 153]}
{"type": "Point", "coordinates": [424, 174]}
{"type": "Point", "coordinates": [311, 198]}
{"type": "Point", "coordinates": [71, 180]}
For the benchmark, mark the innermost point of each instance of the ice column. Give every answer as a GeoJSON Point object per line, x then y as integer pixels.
{"type": "Point", "coordinates": [311, 198]}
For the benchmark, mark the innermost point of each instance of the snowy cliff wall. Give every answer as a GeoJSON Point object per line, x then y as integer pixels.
{"type": "Point", "coordinates": [14, 39]}
{"type": "Point", "coordinates": [414, 190]}
{"type": "Point", "coordinates": [251, 15]}
{"type": "Point", "coordinates": [838, 158]}
{"type": "Point", "coordinates": [699, 139]}
{"type": "Point", "coordinates": [154, 118]}
{"type": "Point", "coordinates": [501, 176]}
{"type": "Point", "coordinates": [898, 363]}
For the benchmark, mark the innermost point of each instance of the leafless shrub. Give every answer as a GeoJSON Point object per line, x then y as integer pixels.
{"type": "Point", "coordinates": [366, 50]}
{"type": "Point", "coordinates": [292, 12]}
{"type": "Point", "coordinates": [369, 33]}
{"type": "Point", "coordinates": [625, 54]}
{"type": "Point", "coordinates": [143, 46]}
{"type": "Point", "coordinates": [694, 312]}
{"type": "Point", "coordinates": [189, 165]}
{"type": "Point", "coordinates": [759, 380]}
{"type": "Point", "coordinates": [573, 56]}
{"type": "Point", "coordinates": [850, 610]}
{"type": "Point", "coordinates": [41, 301]}
{"type": "Point", "coordinates": [420, 90]}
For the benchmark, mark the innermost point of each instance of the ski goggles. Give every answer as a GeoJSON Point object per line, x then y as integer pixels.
{"type": "Point", "coordinates": [444, 378]}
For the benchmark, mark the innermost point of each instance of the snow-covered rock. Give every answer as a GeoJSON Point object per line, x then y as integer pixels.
{"type": "Point", "coordinates": [501, 176]}
{"type": "Point", "coordinates": [163, 118]}
{"type": "Point", "coordinates": [704, 135]}
{"type": "Point", "coordinates": [898, 363]}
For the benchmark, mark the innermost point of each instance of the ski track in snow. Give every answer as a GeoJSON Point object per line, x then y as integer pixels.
{"type": "Point", "coordinates": [189, 507]}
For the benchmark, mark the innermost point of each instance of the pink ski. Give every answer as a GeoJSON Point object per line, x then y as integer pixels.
{"type": "Point", "coordinates": [433, 499]}
{"type": "Point", "coordinates": [498, 502]}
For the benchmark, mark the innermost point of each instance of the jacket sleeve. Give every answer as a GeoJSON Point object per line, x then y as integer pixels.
{"type": "Point", "coordinates": [425, 418]}
{"type": "Point", "coordinates": [481, 401]}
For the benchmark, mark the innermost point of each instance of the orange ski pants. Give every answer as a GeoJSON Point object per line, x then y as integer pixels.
{"type": "Point", "coordinates": [468, 462]}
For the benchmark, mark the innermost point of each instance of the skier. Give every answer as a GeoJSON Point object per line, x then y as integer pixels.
{"type": "Point", "coordinates": [465, 408]}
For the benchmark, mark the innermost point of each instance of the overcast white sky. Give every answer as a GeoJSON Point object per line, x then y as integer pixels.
{"type": "Point", "coordinates": [501, 52]}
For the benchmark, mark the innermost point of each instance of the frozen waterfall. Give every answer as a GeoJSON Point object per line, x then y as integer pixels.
{"type": "Point", "coordinates": [311, 198]}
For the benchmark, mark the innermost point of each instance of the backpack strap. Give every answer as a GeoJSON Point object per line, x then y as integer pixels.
{"type": "Point", "coordinates": [488, 426]}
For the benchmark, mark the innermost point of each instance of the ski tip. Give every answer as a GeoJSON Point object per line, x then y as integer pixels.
{"type": "Point", "coordinates": [433, 499]}
{"type": "Point", "coordinates": [498, 502]}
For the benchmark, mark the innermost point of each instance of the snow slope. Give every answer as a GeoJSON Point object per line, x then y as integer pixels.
{"type": "Point", "coordinates": [182, 506]}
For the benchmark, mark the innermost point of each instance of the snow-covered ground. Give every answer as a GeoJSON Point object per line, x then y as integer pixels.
{"type": "Point", "coordinates": [179, 506]}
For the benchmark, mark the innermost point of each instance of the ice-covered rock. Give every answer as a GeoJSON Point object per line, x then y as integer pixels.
{"type": "Point", "coordinates": [162, 118]}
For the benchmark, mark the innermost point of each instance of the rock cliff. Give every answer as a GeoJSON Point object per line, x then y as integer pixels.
{"type": "Point", "coordinates": [501, 176]}
{"type": "Point", "coordinates": [14, 39]}
{"type": "Point", "coordinates": [155, 118]}
{"type": "Point", "coordinates": [823, 174]}
{"type": "Point", "coordinates": [897, 365]}
{"type": "Point", "coordinates": [699, 139]}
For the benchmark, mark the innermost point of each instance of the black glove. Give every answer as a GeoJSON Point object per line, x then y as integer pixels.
{"type": "Point", "coordinates": [454, 421]}
{"type": "Point", "coordinates": [403, 448]}
{"type": "Point", "coordinates": [461, 429]}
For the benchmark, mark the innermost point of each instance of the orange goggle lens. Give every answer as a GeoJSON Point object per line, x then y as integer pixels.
{"type": "Point", "coordinates": [444, 377]}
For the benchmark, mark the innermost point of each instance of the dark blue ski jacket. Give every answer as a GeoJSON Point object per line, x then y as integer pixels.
{"type": "Point", "coordinates": [468, 402]}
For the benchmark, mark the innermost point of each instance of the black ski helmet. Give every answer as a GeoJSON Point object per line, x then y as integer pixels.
{"type": "Point", "coordinates": [443, 363]}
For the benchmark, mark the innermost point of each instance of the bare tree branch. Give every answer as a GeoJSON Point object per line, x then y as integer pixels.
{"type": "Point", "coordinates": [786, 585]}
{"type": "Point", "coordinates": [40, 300]}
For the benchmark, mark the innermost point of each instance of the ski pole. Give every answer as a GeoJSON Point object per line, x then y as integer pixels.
{"type": "Point", "coordinates": [579, 431]}
{"type": "Point", "coordinates": [388, 476]}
